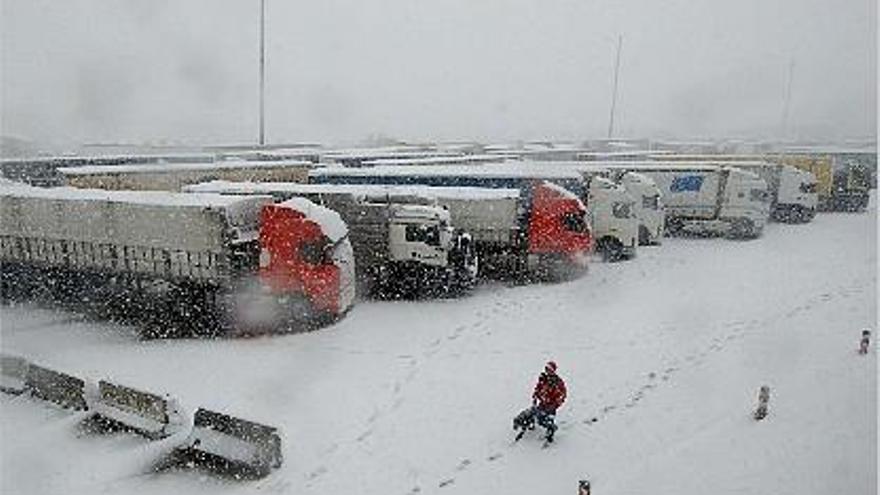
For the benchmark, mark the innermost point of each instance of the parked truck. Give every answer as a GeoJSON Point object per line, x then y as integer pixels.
{"type": "Point", "coordinates": [845, 174]}
{"type": "Point", "coordinates": [43, 171]}
{"type": "Point", "coordinates": [620, 221]}
{"type": "Point", "coordinates": [613, 217]}
{"type": "Point", "coordinates": [174, 176]}
{"type": "Point", "coordinates": [793, 192]}
{"type": "Point", "coordinates": [711, 199]}
{"type": "Point", "coordinates": [543, 232]}
{"type": "Point", "coordinates": [175, 262]}
{"type": "Point", "coordinates": [648, 206]}
{"type": "Point", "coordinates": [403, 246]}
{"type": "Point", "coordinates": [796, 197]}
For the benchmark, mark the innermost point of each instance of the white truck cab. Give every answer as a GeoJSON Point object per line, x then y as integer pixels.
{"type": "Point", "coordinates": [648, 206]}
{"type": "Point", "coordinates": [613, 213]}
{"type": "Point", "coordinates": [746, 203]}
{"type": "Point", "coordinates": [420, 233]}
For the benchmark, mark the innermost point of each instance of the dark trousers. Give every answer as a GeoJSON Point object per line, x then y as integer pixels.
{"type": "Point", "coordinates": [545, 417]}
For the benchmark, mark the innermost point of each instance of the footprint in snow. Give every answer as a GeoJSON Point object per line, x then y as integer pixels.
{"type": "Point", "coordinates": [317, 473]}
{"type": "Point", "coordinates": [446, 483]}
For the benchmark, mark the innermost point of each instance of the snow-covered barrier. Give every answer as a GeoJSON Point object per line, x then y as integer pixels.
{"type": "Point", "coordinates": [229, 444]}
{"type": "Point", "coordinates": [13, 373]}
{"type": "Point", "coordinates": [149, 414]}
{"type": "Point", "coordinates": [60, 388]}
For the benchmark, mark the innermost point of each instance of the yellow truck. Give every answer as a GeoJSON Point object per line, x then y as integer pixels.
{"type": "Point", "coordinates": [819, 166]}
{"type": "Point", "coordinates": [844, 180]}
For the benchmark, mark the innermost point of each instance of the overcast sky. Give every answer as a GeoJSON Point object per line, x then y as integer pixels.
{"type": "Point", "coordinates": [341, 70]}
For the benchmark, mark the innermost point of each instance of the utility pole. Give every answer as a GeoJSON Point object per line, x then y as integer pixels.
{"type": "Point", "coordinates": [262, 72]}
{"type": "Point", "coordinates": [786, 102]}
{"type": "Point", "coordinates": [614, 94]}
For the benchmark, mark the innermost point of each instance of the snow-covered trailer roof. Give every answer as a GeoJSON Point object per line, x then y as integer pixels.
{"type": "Point", "coordinates": [113, 159]}
{"type": "Point", "coordinates": [150, 219]}
{"type": "Point", "coordinates": [438, 160]}
{"type": "Point", "coordinates": [329, 221]}
{"type": "Point", "coordinates": [362, 190]}
{"type": "Point", "coordinates": [507, 175]}
{"type": "Point", "coordinates": [485, 213]}
{"type": "Point", "coordinates": [358, 156]}
{"type": "Point", "coordinates": [172, 177]}
{"type": "Point", "coordinates": [170, 168]}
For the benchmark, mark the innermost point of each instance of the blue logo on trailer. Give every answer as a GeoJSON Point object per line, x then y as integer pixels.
{"type": "Point", "coordinates": [686, 183]}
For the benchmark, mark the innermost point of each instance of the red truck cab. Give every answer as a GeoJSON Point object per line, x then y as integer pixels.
{"type": "Point", "coordinates": [306, 260]}
{"type": "Point", "coordinates": [559, 232]}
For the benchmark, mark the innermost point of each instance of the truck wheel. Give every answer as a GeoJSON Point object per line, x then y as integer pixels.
{"type": "Point", "coordinates": [611, 249]}
{"type": "Point", "coordinates": [674, 226]}
{"type": "Point", "coordinates": [644, 236]}
{"type": "Point", "coordinates": [742, 229]}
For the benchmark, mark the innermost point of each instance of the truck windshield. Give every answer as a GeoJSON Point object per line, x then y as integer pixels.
{"type": "Point", "coordinates": [808, 188]}
{"type": "Point", "coordinates": [428, 234]}
{"type": "Point", "coordinates": [621, 210]}
{"type": "Point", "coordinates": [859, 177]}
{"type": "Point", "coordinates": [758, 195]}
{"type": "Point", "coordinates": [651, 202]}
{"type": "Point", "coordinates": [313, 252]}
{"type": "Point", "coordinates": [574, 222]}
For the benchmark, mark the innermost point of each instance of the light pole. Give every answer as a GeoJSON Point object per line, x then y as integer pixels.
{"type": "Point", "coordinates": [614, 94]}
{"type": "Point", "coordinates": [262, 72]}
{"type": "Point", "coordinates": [786, 102]}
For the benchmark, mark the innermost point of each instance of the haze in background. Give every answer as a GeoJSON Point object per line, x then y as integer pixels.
{"type": "Point", "coordinates": [341, 70]}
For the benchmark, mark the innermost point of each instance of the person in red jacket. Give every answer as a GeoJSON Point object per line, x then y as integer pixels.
{"type": "Point", "coordinates": [548, 396]}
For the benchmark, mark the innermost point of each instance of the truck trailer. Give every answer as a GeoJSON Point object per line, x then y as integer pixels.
{"type": "Point", "coordinates": [174, 176]}
{"type": "Point", "coordinates": [43, 171]}
{"type": "Point", "coordinates": [402, 246]}
{"type": "Point", "coordinates": [619, 221]}
{"type": "Point", "coordinates": [543, 233]}
{"type": "Point", "coordinates": [794, 191]}
{"type": "Point", "coordinates": [710, 199]}
{"type": "Point", "coordinates": [175, 262]}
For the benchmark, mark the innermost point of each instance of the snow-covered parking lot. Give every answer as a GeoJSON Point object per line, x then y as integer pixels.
{"type": "Point", "coordinates": [663, 356]}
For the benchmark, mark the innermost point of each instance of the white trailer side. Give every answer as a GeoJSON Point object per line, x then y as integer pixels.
{"type": "Point", "coordinates": [487, 214]}
{"type": "Point", "coordinates": [174, 176]}
{"type": "Point", "coordinates": [168, 235]}
{"type": "Point", "coordinates": [400, 233]}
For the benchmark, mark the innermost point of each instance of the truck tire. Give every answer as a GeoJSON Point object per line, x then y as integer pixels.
{"type": "Point", "coordinates": [610, 248]}
{"type": "Point", "coordinates": [644, 236]}
{"type": "Point", "coordinates": [674, 226]}
{"type": "Point", "coordinates": [742, 228]}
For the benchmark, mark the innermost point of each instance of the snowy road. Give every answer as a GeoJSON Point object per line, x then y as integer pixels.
{"type": "Point", "coordinates": [666, 352]}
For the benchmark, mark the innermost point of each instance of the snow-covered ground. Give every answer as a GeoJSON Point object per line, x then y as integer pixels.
{"type": "Point", "coordinates": [666, 351]}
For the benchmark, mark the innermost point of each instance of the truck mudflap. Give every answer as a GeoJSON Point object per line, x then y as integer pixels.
{"type": "Point", "coordinates": [62, 389]}
{"type": "Point", "coordinates": [13, 374]}
{"type": "Point", "coordinates": [148, 414]}
{"type": "Point", "coordinates": [230, 445]}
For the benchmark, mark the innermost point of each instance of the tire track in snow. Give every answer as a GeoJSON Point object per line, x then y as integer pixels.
{"type": "Point", "coordinates": [498, 303]}
{"type": "Point", "coordinates": [732, 331]}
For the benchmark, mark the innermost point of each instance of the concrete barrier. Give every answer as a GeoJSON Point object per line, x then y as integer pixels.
{"type": "Point", "coordinates": [229, 444]}
{"type": "Point", "coordinates": [60, 388]}
{"type": "Point", "coordinates": [146, 413]}
{"type": "Point", "coordinates": [13, 373]}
